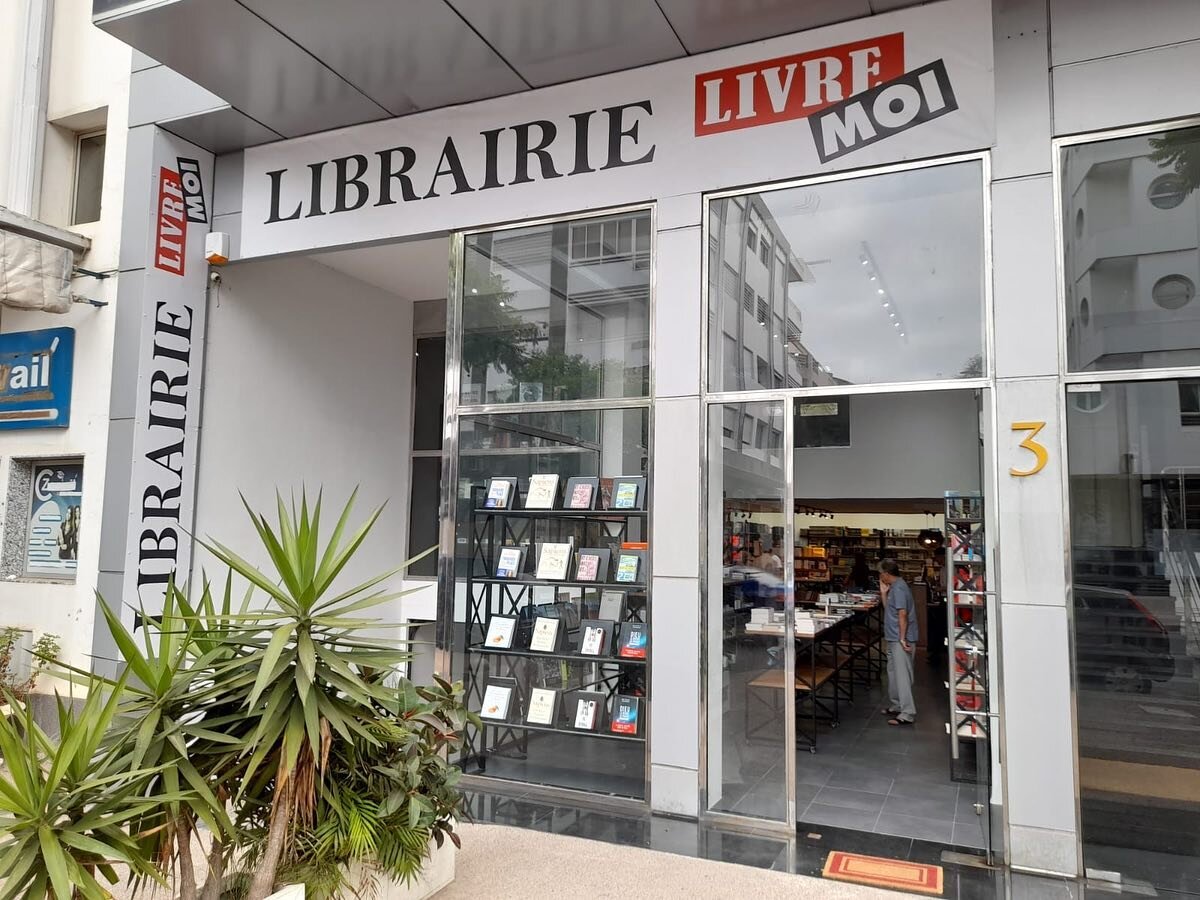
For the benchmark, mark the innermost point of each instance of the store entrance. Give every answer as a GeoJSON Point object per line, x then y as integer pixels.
{"type": "Point", "coordinates": [882, 490]}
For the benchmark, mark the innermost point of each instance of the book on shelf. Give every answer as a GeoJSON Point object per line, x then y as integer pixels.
{"type": "Point", "coordinates": [628, 492]}
{"type": "Point", "coordinates": [612, 605]}
{"type": "Point", "coordinates": [554, 561]}
{"type": "Point", "coordinates": [626, 714]}
{"type": "Point", "coordinates": [635, 639]}
{"type": "Point", "coordinates": [500, 632]}
{"type": "Point", "coordinates": [588, 711]}
{"type": "Point", "coordinates": [497, 700]}
{"type": "Point", "coordinates": [629, 566]}
{"type": "Point", "coordinates": [543, 707]}
{"type": "Point", "coordinates": [542, 492]}
{"type": "Point", "coordinates": [501, 493]}
{"type": "Point", "coordinates": [581, 493]}
{"type": "Point", "coordinates": [546, 634]}
{"type": "Point", "coordinates": [592, 564]}
{"type": "Point", "coordinates": [510, 562]}
{"type": "Point", "coordinates": [595, 637]}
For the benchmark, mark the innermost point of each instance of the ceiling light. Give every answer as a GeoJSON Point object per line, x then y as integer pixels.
{"type": "Point", "coordinates": [872, 277]}
{"type": "Point", "coordinates": [880, 291]}
{"type": "Point", "coordinates": [863, 259]}
{"type": "Point", "coordinates": [474, 290]}
{"type": "Point", "coordinates": [895, 324]}
{"type": "Point", "coordinates": [902, 334]}
{"type": "Point", "coordinates": [502, 303]}
{"type": "Point", "coordinates": [885, 304]}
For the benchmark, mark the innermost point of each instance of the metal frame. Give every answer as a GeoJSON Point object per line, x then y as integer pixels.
{"type": "Point", "coordinates": [448, 509]}
{"type": "Point", "coordinates": [710, 399]}
{"type": "Point", "coordinates": [1065, 378]}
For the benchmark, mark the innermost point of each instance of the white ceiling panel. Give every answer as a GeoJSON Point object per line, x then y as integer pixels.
{"type": "Point", "coordinates": [415, 55]}
{"type": "Point", "coordinates": [412, 270]}
{"type": "Point", "coordinates": [550, 41]}
{"type": "Point", "coordinates": [227, 49]}
{"type": "Point", "coordinates": [708, 24]}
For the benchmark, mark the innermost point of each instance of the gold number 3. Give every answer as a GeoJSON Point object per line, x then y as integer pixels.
{"type": "Point", "coordinates": [1040, 453]}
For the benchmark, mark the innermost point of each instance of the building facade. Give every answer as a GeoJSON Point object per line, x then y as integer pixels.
{"type": "Point", "coordinates": [794, 290]}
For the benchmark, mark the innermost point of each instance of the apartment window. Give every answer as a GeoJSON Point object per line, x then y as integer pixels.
{"type": "Point", "coordinates": [764, 312]}
{"type": "Point", "coordinates": [89, 178]}
{"type": "Point", "coordinates": [764, 373]}
{"type": "Point", "coordinates": [764, 251]}
{"type": "Point", "coordinates": [729, 423]}
{"type": "Point", "coordinates": [748, 298]}
{"type": "Point", "coordinates": [747, 429]}
{"type": "Point", "coordinates": [612, 240]}
{"type": "Point", "coordinates": [1189, 403]}
{"type": "Point", "coordinates": [751, 238]}
{"type": "Point", "coordinates": [760, 436]}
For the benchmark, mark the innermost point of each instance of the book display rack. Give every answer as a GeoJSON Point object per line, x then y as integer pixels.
{"type": "Point", "coordinates": [556, 637]}
{"type": "Point", "coordinates": [967, 641]}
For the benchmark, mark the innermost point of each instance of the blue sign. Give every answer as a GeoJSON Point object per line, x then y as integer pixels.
{"type": "Point", "coordinates": [35, 378]}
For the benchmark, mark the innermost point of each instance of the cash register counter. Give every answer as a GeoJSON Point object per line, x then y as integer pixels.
{"type": "Point", "coordinates": [839, 647]}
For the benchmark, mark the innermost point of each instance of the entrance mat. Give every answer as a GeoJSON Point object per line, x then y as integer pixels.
{"type": "Point", "coordinates": [894, 874]}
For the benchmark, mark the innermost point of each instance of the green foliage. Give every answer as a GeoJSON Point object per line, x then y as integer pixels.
{"type": "Point", "coordinates": [66, 804]}
{"type": "Point", "coordinates": [1179, 150]}
{"type": "Point", "coordinates": [45, 652]}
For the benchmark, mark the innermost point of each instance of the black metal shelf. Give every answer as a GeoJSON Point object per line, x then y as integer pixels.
{"type": "Point", "coordinates": [570, 657]}
{"type": "Point", "coordinates": [564, 513]}
{"type": "Point", "coordinates": [547, 729]}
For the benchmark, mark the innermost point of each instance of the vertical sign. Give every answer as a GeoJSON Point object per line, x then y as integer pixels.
{"type": "Point", "coordinates": [170, 364]}
{"type": "Point", "coordinates": [52, 540]}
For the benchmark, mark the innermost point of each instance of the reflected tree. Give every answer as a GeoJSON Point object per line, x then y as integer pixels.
{"type": "Point", "coordinates": [1180, 151]}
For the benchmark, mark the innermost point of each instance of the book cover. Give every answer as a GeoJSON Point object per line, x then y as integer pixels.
{"type": "Point", "coordinates": [508, 565]}
{"type": "Point", "coordinates": [554, 562]}
{"type": "Point", "coordinates": [626, 495]}
{"type": "Point", "coordinates": [587, 712]}
{"type": "Point", "coordinates": [606, 489]}
{"type": "Point", "coordinates": [625, 714]}
{"type": "Point", "coordinates": [612, 605]}
{"type": "Point", "coordinates": [500, 633]}
{"type": "Point", "coordinates": [543, 491]}
{"type": "Point", "coordinates": [635, 640]}
{"type": "Point", "coordinates": [580, 493]}
{"type": "Point", "coordinates": [628, 565]}
{"type": "Point", "coordinates": [497, 495]}
{"type": "Point", "coordinates": [545, 635]}
{"type": "Point", "coordinates": [496, 700]}
{"type": "Point", "coordinates": [592, 565]}
{"type": "Point", "coordinates": [543, 704]}
{"type": "Point", "coordinates": [592, 643]}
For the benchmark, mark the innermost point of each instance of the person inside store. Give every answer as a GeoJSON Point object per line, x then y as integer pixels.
{"type": "Point", "coordinates": [901, 631]}
{"type": "Point", "coordinates": [767, 559]}
{"type": "Point", "coordinates": [859, 578]}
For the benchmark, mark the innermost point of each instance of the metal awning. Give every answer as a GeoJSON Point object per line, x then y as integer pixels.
{"type": "Point", "coordinates": [293, 67]}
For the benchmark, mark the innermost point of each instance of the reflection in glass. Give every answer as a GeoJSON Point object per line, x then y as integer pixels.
{"type": "Point", "coordinates": [869, 280]}
{"type": "Point", "coordinates": [749, 550]}
{"type": "Point", "coordinates": [1132, 259]}
{"type": "Point", "coordinates": [603, 443]}
{"type": "Point", "coordinates": [1134, 462]}
{"type": "Point", "coordinates": [557, 312]}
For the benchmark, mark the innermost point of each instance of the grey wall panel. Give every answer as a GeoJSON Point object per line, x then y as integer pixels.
{"type": "Point", "coordinates": [160, 93]}
{"type": "Point", "coordinates": [1021, 37]}
{"type": "Point", "coordinates": [221, 130]}
{"type": "Point", "coordinates": [1089, 29]}
{"type": "Point", "coordinates": [227, 178]}
{"type": "Point", "coordinates": [724, 23]}
{"type": "Point", "coordinates": [1127, 90]}
{"type": "Point", "coordinates": [114, 522]}
{"type": "Point", "coordinates": [135, 206]}
{"type": "Point", "coordinates": [675, 679]}
{"type": "Point", "coordinates": [127, 329]}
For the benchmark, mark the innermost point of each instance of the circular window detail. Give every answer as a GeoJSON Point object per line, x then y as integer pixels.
{"type": "Point", "coordinates": [1088, 401]}
{"type": "Point", "coordinates": [1166, 191]}
{"type": "Point", "coordinates": [1079, 224]}
{"type": "Point", "coordinates": [1173, 291]}
{"type": "Point", "coordinates": [1085, 312]}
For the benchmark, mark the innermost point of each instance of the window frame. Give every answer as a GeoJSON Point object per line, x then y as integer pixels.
{"type": "Point", "coordinates": [80, 137]}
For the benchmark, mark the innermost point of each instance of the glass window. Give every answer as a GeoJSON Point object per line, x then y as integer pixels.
{"type": "Point", "coordinates": [746, 575]}
{"type": "Point", "coordinates": [429, 390]}
{"type": "Point", "coordinates": [885, 272]}
{"type": "Point", "coordinates": [557, 312]}
{"type": "Point", "coordinates": [1135, 536]}
{"type": "Point", "coordinates": [89, 178]}
{"type": "Point", "coordinates": [1131, 266]}
{"type": "Point", "coordinates": [1189, 403]}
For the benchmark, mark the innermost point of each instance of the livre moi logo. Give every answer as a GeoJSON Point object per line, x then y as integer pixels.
{"type": "Point", "coordinates": [852, 95]}
{"type": "Point", "coordinates": [180, 201]}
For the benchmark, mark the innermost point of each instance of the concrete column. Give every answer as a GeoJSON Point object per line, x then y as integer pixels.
{"type": "Point", "coordinates": [1038, 753]}
{"type": "Point", "coordinates": [675, 505]}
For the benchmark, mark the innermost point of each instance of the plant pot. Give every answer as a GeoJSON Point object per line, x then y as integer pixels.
{"type": "Point", "coordinates": [437, 872]}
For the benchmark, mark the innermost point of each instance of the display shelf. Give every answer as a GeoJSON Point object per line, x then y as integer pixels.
{"type": "Point", "coordinates": [966, 584]}
{"type": "Point", "coordinates": [562, 513]}
{"type": "Point", "coordinates": [533, 582]}
{"type": "Point", "coordinates": [568, 657]}
{"type": "Point", "coordinates": [574, 732]}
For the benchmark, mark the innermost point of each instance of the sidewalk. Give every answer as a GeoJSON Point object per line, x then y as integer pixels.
{"type": "Point", "coordinates": [500, 861]}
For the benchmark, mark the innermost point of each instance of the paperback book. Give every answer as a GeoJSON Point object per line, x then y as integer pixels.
{"type": "Point", "coordinates": [589, 710]}
{"type": "Point", "coordinates": [628, 492]}
{"type": "Point", "coordinates": [612, 605]}
{"type": "Point", "coordinates": [545, 634]}
{"type": "Point", "coordinates": [626, 714]}
{"type": "Point", "coordinates": [497, 698]}
{"type": "Point", "coordinates": [595, 637]}
{"type": "Point", "coordinates": [635, 640]}
{"type": "Point", "coordinates": [581, 493]}
{"type": "Point", "coordinates": [592, 565]}
{"type": "Point", "coordinates": [554, 562]}
{"type": "Point", "coordinates": [509, 563]}
{"type": "Point", "coordinates": [542, 493]}
{"type": "Point", "coordinates": [629, 566]}
{"type": "Point", "coordinates": [543, 707]}
{"type": "Point", "coordinates": [500, 633]}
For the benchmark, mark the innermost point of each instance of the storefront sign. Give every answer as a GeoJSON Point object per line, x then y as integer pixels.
{"type": "Point", "coordinates": [52, 541]}
{"type": "Point", "coordinates": [914, 83]}
{"type": "Point", "coordinates": [36, 370]}
{"type": "Point", "coordinates": [166, 428]}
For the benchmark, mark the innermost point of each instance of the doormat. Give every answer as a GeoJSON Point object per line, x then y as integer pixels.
{"type": "Point", "coordinates": [894, 874]}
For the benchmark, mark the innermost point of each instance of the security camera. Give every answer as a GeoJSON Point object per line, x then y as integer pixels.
{"type": "Point", "coordinates": [214, 278]}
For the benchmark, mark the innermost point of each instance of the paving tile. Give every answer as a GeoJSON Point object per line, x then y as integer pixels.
{"type": "Point", "coordinates": [969, 834]}
{"type": "Point", "coordinates": [906, 786]}
{"type": "Point", "coordinates": [859, 779]}
{"type": "Point", "coordinates": [819, 814]}
{"type": "Point", "coordinates": [922, 807]}
{"type": "Point", "coordinates": [916, 827]}
{"type": "Point", "coordinates": [850, 799]}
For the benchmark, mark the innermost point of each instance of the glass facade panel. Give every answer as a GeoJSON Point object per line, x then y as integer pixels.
{"type": "Point", "coordinates": [1131, 232]}
{"type": "Point", "coordinates": [877, 279]}
{"type": "Point", "coordinates": [748, 543]}
{"type": "Point", "coordinates": [557, 312]}
{"type": "Point", "coordinates": [1134, 466]}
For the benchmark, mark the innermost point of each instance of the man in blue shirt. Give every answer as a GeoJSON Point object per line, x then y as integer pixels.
{"type": "Point", "coordinates": [901, 631]}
